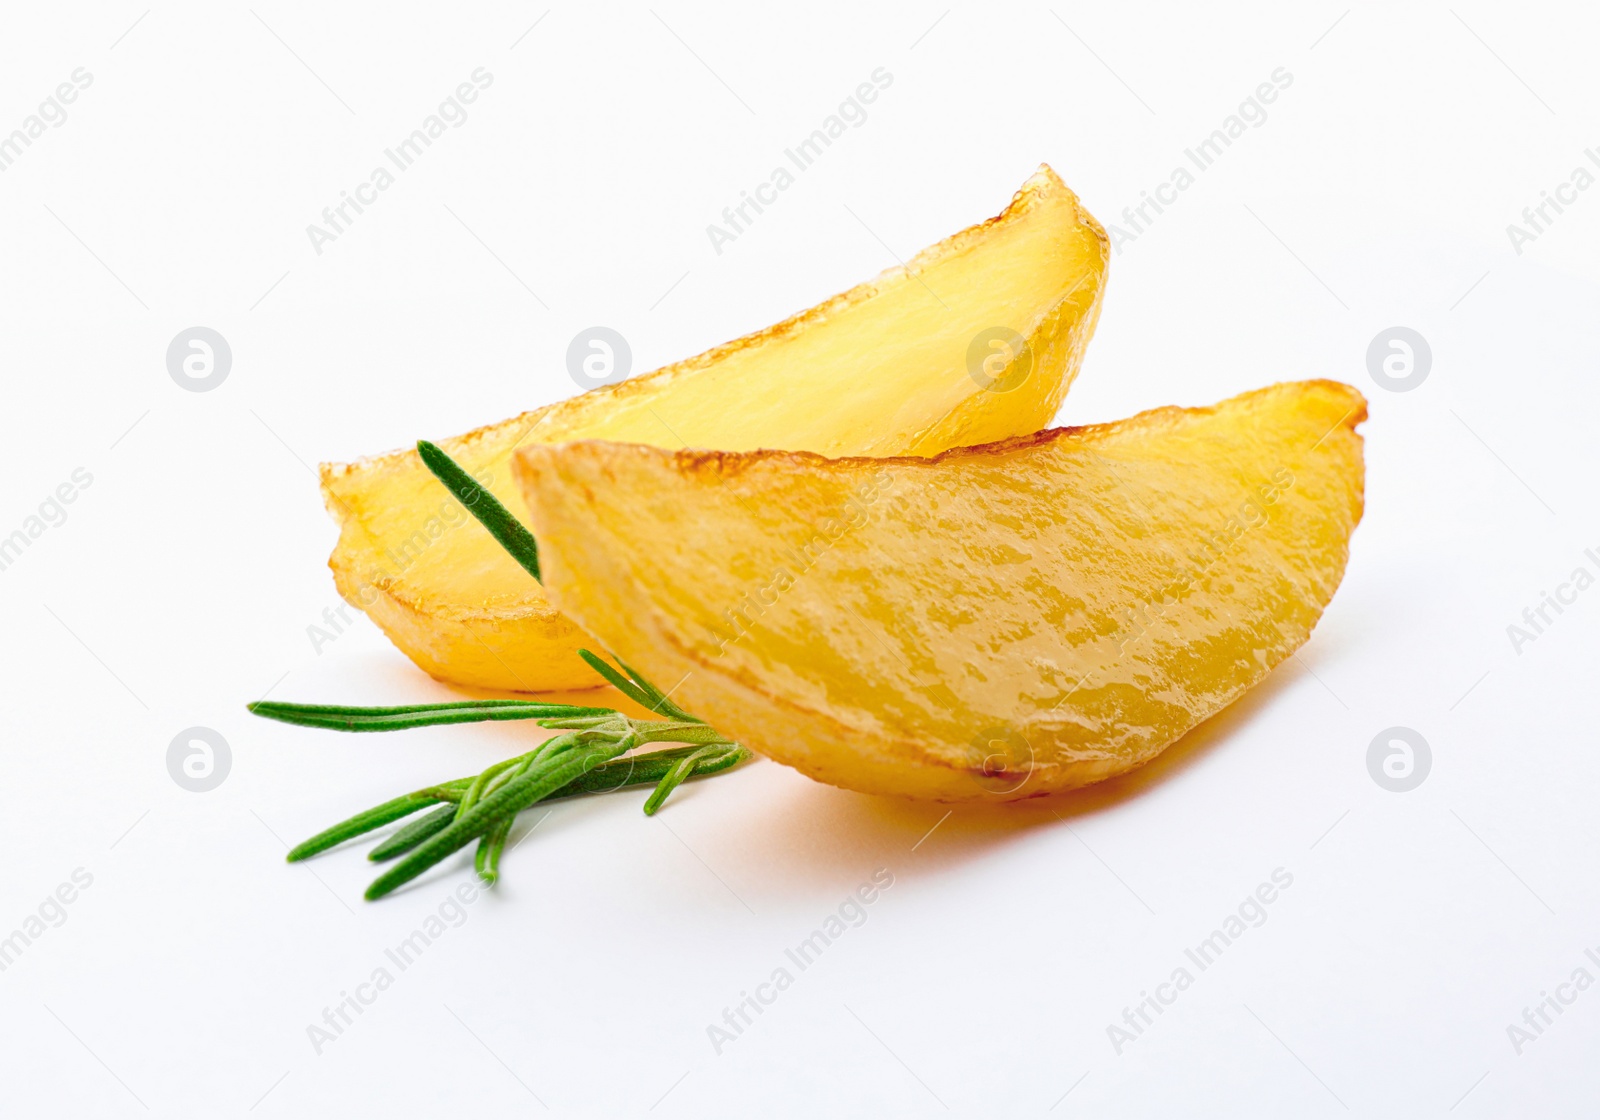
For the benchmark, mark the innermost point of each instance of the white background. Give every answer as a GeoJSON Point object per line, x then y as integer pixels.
{"type": "Point", "coordinates": [1419, 925]}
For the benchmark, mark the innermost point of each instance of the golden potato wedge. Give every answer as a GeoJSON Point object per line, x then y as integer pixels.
{"type": "Point", "coordinates": [882, 369]}
{"type": "Point", "coordinates": [996, 622]}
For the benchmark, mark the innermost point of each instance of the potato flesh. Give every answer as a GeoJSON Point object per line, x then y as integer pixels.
{"type": "Point", "coordinates": [995, 623]}
{"type": "Point", "coordinates": [879, 370]}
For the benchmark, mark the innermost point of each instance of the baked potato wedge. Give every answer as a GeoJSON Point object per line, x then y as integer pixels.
{"type": "Point", "coordinates": [883, 369]}
{"type": "Point", "coordinates": [996, 622]}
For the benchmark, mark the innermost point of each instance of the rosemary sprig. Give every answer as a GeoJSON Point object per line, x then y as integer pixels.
{"type": "Point", "coordinates": [530, 783]}
{"type": "Point", "coordinates": [652, 768]}
{"type": "Point", "coordinates": [591, 755]}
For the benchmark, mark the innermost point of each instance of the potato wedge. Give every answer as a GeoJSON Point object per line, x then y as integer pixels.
{"type": "Point", "coordinates": [997, 622]}
{"type": "Point", "coordinates": [882, 369]}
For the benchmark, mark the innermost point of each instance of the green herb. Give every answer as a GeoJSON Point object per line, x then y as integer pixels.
{"type": "Point", "coordinates": [341, 718]}
{"type": "Point", "coordinates": [402, 840]}
{"type": "Point", "coordinates": [510, 532]}
{"type": "Point", "coordinates": [591, 755]}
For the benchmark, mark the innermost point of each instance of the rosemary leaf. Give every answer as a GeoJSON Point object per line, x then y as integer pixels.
{"type": "Point", "coordinates": [480, 784]}
{"type": "Point", "coordinates": [538, 781]}
{"type": "Point", "coordinates": [375, 817]}
{"type": "Point", "coordinates": [493, 516]}
{"type": "Point", "coordinates": [674, 777]}
{"type": "Point", "coordinates": [342, 718]}
{"type": "Point", "coordinates": [413, 833]}
{"type": "Point", "coordinates": [621, 683]}
{"type": "Point", "coordinates": [634, 770]}
{"type": "Point", "coordinates": [659, 704]}
{"type": "Point", "coordinates": [487, 863]}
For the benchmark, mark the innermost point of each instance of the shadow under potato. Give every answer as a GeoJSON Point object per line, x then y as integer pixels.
{"type": "Point", "coordinates": [808, 833]}
{"type": "Point", "coordinates": [780, 831]}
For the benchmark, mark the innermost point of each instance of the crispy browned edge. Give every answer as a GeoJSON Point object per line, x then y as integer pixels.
{"type": "Point", "coordinates": [1044, 181]}
{"type": "Point", "coordinates": [730, 464]}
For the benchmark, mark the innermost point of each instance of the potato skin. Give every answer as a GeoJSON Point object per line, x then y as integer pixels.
{"type": "Point", "coordinates": [992, 623]}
